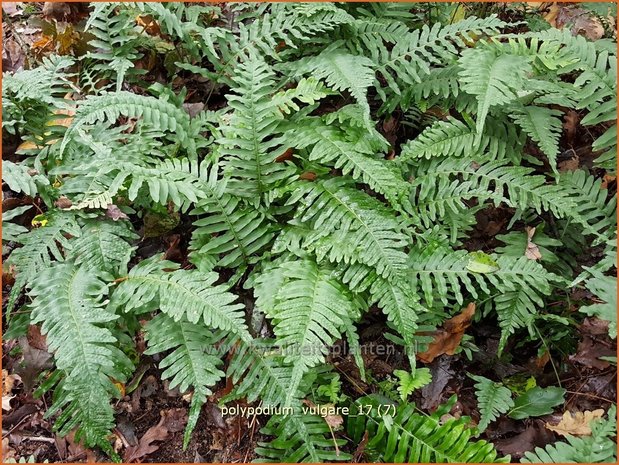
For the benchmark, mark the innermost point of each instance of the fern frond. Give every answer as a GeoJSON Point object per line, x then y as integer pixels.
{"type": "Point", "coordinates": [605, 288]}
{"type": "Point", "coordinates": [258, 371]}
{"type": "Point", "coordinates": [494, 78]}
{"type": "Point", "coordinates": [352, 227]}
{"type": "Point", "coordinates": [331, 146]}
{"type": "Point", "coordinates": [310, 312]}
{"type": "Point", "coordinates": [343, 71]}
{"type": "Point", "coordinates": [228, 234]}
{"type": "Point", "coordinates": [21, 178]}
{"type": "Point", "coordinates": [67, 300]}
{"type": "Point", "coordinates": [104, 245]}
{"type": "Point", "coordinates": [454, 138]}
{"type": "Point", "coordinates": [190, 294]}
{"type": "Point", "coordinates": [411, 437]}
{"type": "Point", "coordinates": [493, 399]}
{"type": "Point", "coordinates": [298, 439]}
{"type": "Point", "coordinates": [544, 126]}
{"type": "Point", "coordinates": [189, 364]}
{"type": "Point", "coordinates": [252, 142]}
{"type": "Point", "coordinates": [156, 113]}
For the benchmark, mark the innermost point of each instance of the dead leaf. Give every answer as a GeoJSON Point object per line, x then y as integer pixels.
{"type": "Point", "coordinates": [6, 403]}
{"type": "Point", "coordinates": [606, 180]}
{"type": "Point", "coordinates": [308, 176]}
{"type": "Point", "coordinates": [287, 155]}
{"type": "Point", "coordinates": [552, 14]}
{"type": "Point", "coordinates": [34, 362]}
{"type": "Point", "coordinates": [8, 453]}
{"type": "Point", "coordinates": [172, 421]}
{"type": "Point", "coordinates": [570, 164]}
{"type": "Point", "coordinates": [570, 124]}
{"type": "Point", "coordinates": [8, 382]}
{"type": "Point", "coordinates": [589, 352]}
{"type": "Point", "coordinates": [532, 252]}
{"type": "Point", "coordinates": [35, 338]}
{"type": "Point", "coordinates": [576, 424]}
{"type": "Point", "coordinates": [115, 213]}
{"type": "Point", "coordinates": [149, 24]}
{"type": "Point", "coordinates": [63, 202]}
{"type": "Point", "coordinates": [447, 340]}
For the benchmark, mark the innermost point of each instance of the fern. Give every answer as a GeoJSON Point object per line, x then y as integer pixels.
{"type": "Point", "coordinates": [67, 300]}
{"type": "Point", "coordinates": [156, 113]}
{"type": "Point", "coordinates": [410, 437]}
{"type": "Point", "coordinates": [299, 438]}
{"type": "Point", "coordinates": [20, 178]}
{"type": "Point", "coordinates": [493, 399]}
{"type": "Point", "coordinates": [188, 364]}
{"type": "Point", "coordinates": [309, 312]}
{"type": "Point", "coordinates": [180, 294]}
{"type": "Point", "coordinates": [493, 78]}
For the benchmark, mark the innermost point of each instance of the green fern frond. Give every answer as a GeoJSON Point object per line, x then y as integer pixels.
{"type": "Point", "coordinates": [493, 399]}
{"type": "Point", "coordinates": [156, 113]}
{"type": "Point", "coordinates": [343, 71]}
{"type": "Point", "coordinates": [228, 234]}
{"type": "Point", "coordinates": [68, 301]}
{"type": "Point", "coordinates": [351, 227]}
{"type": "Point", "coordinates": [410, 437]}
{"type": "Point", "coordinates": [189, 364]}
{"type": "Point", "coordinates": [309, 313]}
{"type": "Point", "coordinates": [258, 371]}
{"type": "Point", "coordinates": [544, 126]}
{"type": "Point", "coordinates": [605, 288]}
{"type": "Point", "coordinates": [410, 382]}
{"type": "Point", "coordinates": [454, 138]}
{"type": "Point", "coordinates": [190, 294]}
{"type": "Point", "coordinates": [298, 439]}
{"type": "Point", "coordinates": [104, 245]}
{"type": "Point", "coordinates": [492, 77]}
{"type": "Point", "coordinates": [332, 146]}
{"type": "Point", "coordinates": [252, 142]}
{"type": "Point", "coordinates": [21, 178]}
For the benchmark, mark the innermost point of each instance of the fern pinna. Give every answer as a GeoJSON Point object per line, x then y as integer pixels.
{"type": "Point", "coordinates": [298, 207]}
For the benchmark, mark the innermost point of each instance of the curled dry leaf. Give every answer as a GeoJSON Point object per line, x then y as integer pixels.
{"type": "Point", "coordinates": [447, 339]}
{"type": "Point", "coordinates": [532, 252]}
{"type": "Point", "coordinates": [576, 424]}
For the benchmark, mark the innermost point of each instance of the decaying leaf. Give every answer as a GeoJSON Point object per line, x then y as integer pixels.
{"type": "Point", "coordinates": [172, 420]}
{"type": "Point", "coordinates": [447, 339]}
{"type": "Point", "coordinates": [576, 424]}
{"type": "Point", "coordinates": [532, 252]}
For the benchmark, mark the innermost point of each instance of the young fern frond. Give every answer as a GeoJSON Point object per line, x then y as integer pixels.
{"type": "Point", "coordinates": [67, 300]}
{"type": "Point", "coordinates": [493, 399]}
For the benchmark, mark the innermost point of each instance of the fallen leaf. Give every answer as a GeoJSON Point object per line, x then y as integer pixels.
{"type": "Point", "coordinates": [570, 164]}
{"type": "Point", "coordinates": [35, 338]}
{"type": "Point", "coordinates": [34, 362]}
{"type": "Point", "coordinates": [442, 373]}
{"type": "Point", "coordinates": [532, 252]}
{"type": "Point", "coordinates": [12, 8]}
{"type": "Point", "coordinates": [287, 155]}
{"type": "Point", "coordinates": [576, 424]}
{"type": "Point", "coordinates": [8, 382]}
{"type": "Point", "coordinates": [606, 180]}
{"type": "Point", "coordinates": [63, 202]}
{"type": "Point", "coordinates": [115, 213]}
{"type": "Point", "coordinates": [6, 403]}
{"type": "Point", "coordinates": [172, 421]}
{"type": "Point", "coordinates": [589, 352]}
{"type": "Point", "coordinates": [570, 124]}
{"type": "Point", "coordinates": [8, 453]}
{"type": "Point", "coordinates": [447, 339]}
{"type": "Point", "coordinates": [537, 402]}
